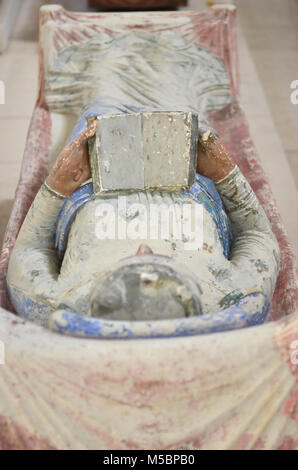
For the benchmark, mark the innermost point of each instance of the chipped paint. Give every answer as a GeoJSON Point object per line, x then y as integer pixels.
{"type": "Point", "coordinates": [230, 398]}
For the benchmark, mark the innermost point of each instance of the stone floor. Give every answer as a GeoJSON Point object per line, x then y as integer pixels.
{"type": "Point", "coordinates": [268, 52]}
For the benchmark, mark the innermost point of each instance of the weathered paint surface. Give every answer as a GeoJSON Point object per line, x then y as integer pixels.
{"type": "Point", "coordinates": [157, 70]}
{"type": "Point", "coordinates": [149, 159]}
{"type": "Point", "coordinates": [39, 286]}
{"type": "Point", "coordinates": [140, 141]}
{"type": "Point", "coordinates": [234, 389]}
{"type": "Point", "coordinates": [220, 391]}
{"type": "Point", "coordinates": [214, 29]}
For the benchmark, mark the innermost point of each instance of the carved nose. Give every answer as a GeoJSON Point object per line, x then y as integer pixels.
{"type": "Point", "coordinates": [144, 250]}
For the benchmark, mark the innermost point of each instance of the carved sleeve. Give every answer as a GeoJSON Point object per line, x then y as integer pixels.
{"type": "Point", "coordinates": [255, 252]}
{"type": "Point", "coordinates": [34, 265]}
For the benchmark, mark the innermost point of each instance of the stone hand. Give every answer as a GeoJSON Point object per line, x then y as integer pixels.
{"type": "Point", "coordinates": [213, 159]}
{"type": "Point", "coordinates": [72, 166]}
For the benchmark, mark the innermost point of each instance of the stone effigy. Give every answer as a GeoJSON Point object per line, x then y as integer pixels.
{"type": "Point", "coordinates": [177, 275]}
{"type": "Point", "coordinates": [151, 156]}
{"type": "Point", "coordinates": [127, 392]}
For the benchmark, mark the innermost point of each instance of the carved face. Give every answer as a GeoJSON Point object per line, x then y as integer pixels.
{"type": "Point", "coordinates": [146, 287]}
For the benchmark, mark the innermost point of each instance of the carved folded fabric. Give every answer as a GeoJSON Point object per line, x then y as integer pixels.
{"type": "Point", "coordinates": [139, 151]}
